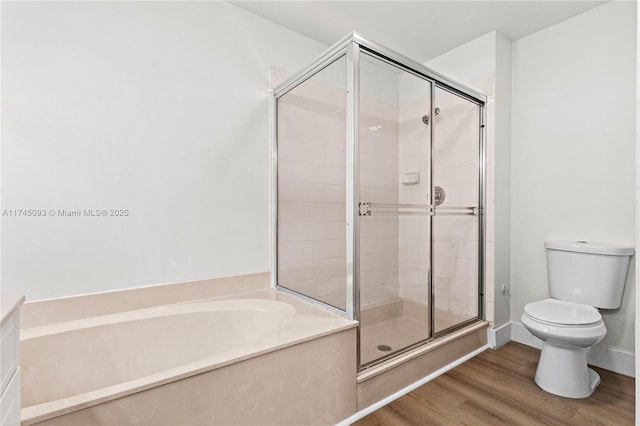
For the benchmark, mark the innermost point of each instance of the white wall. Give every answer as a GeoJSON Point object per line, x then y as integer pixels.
{"type": "Point", "coordinates": [572, 164]}
{"type": "Point", "coordinates": [160, 108]}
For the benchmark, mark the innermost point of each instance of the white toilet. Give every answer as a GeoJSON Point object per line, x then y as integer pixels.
{"type": "Point", "coordinates": [582, 276]}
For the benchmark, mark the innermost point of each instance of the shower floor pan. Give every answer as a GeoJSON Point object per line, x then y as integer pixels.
{"type": "Point", "coordinates": [392, 326]}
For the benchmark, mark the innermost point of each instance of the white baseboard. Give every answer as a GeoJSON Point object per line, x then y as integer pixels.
{"type": "Point", "coordinates": [610, 358]}
{"type": "Point", "coordinates": [498, 336]}
{"type": "Point", "coordinates": [614, 359]}
{"type": "Point", "coordinates": [521, 335]}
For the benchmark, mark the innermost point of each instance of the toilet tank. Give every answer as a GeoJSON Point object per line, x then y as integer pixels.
{"type": "Point", "coordinates": [588, 273]}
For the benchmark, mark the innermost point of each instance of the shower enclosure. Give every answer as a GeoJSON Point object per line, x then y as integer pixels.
{"type": "Point", "coordinates": [378, 166]}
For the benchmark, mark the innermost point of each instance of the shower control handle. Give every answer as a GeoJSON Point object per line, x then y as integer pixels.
{"type": "Point", "coordinates": [438, 195]}
{"type": "Point", "coordinates": [364, 209]}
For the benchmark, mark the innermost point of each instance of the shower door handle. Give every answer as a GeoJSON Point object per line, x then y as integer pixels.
{"type": "Point", "coordinates": [457, 211]}
{"type": "Point", "coordinates": [366, 208]}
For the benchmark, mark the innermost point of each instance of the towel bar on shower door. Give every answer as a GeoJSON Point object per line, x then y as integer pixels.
{"type": "Point", "coordinates": [366, 208]}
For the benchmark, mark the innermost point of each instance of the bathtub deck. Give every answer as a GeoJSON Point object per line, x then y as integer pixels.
{"type": "Point", "coordinates": [305, 323]}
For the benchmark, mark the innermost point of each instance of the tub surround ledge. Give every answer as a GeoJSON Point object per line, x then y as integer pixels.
{"type": "Point", "coordinates": [70, 308]}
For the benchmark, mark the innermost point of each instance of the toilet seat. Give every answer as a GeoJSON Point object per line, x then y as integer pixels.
{"type": "Point", "coordinates": [560, 313]}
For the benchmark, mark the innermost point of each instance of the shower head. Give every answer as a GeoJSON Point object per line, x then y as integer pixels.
{"type": "Point", "coordinates": [425, 118]}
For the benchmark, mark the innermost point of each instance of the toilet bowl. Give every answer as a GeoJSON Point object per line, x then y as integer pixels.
{"type": "Point", "coordinates": [564, 324]}
{"type": "Point", "coordinates": [567, 330]}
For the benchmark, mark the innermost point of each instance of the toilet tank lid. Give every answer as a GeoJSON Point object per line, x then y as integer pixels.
{"type": "Point", "coordinates": [590, 247]}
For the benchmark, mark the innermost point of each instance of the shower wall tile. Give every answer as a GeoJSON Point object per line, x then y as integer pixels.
{"type": "Point", "coordinates": [414, 138]}
{"type": "Point", "coordinates": [378, 184]}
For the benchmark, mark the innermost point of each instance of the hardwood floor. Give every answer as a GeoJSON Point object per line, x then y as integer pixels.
{"type": "Point", "coordinates": [497, 388]}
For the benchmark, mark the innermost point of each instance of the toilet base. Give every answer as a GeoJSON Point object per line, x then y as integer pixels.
{"type": "Point", "coordinates": [564, 372]}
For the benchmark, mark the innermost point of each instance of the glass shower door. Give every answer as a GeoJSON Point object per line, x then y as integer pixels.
{"type": "Point", "coordinates": [378, 191]}
{"type": "Point", "coordinates": [394, 224]}
{"type": "Point", "coordinates": [457, 198]}
{"type": "Point", "coordinates": [311, 187]}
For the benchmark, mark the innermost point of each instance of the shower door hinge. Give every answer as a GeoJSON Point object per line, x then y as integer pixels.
{"type": "Point", "coordinates": [364, 209]}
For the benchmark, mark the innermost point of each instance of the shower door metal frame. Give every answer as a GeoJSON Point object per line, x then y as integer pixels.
{"type": "Point", "coordinates": [351, 48]}
{"type": "Point", "coordinates": [336, 52]}
{"type": "Point", "coordinates": [480, 213]}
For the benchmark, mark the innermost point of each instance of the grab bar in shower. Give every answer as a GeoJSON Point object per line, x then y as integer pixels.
{"type": "Point", "coordinates": [367, 208]}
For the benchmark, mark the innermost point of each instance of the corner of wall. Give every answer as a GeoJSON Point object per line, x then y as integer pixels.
{"type": "Point", "coordinates": [499, 336]}
{"type": "Point", "coordinates": [502, 178]}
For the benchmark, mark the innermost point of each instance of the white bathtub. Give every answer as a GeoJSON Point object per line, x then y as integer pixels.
{"type": "Point", "coordinates": [78, 364]}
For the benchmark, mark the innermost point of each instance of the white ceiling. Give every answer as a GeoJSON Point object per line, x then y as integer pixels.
{"type": "Point", "coordinates": [420, 30]}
